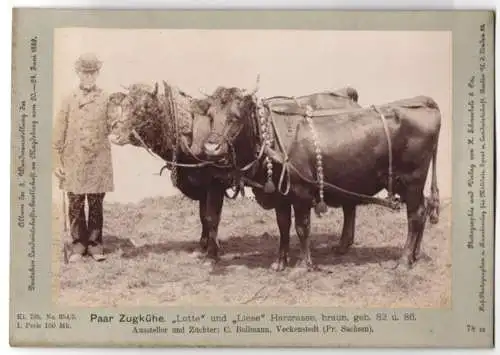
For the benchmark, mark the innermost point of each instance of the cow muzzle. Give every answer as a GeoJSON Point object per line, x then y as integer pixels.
{"type": "Point", "coordinates": [215, 151]}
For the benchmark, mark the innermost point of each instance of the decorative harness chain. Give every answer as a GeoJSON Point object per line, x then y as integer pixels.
{"type": "Point", "coordinates": [267, 134]}
{"type": "Point", "coordinates": [321, 206]}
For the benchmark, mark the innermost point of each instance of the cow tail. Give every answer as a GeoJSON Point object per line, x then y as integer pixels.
{"type": "Point", "coordinates": [434, 203]}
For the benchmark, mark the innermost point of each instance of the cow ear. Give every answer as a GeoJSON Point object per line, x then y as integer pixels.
{"type": "Point", "coordinates": [353, 94]}
{"type": "Point", "coordinates": [200, 107]}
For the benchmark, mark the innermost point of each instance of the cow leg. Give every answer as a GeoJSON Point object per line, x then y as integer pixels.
{"type": "Point", "coordinates": [215, 199]}
{"type": "Point", "coordinates": [420, 234]}
{"type": "Point", "coordinates": [347, 238]}
{"type": "Point", "coordinates": [303, 229]}
{"type": "Point", "coordinates": [284, 219]}
{"type": "Point", "coordinates": [204, 223]}
{"type": "Point", "coordinates": [416, 214]}
{"type": "Point", "coordinates": [434, 204]}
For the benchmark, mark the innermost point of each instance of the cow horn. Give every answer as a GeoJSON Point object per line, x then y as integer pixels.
{"type": "Point", "coordinates": [167, 90]}
{"type": "Point", "coordinates": [155, 91]}
{"type": "Point", "coordinates": [254, 91]}
{"type": "Point", "coordinates": [127, 88]}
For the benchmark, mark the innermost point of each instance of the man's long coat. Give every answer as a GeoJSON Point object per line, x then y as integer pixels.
{"type": "Point", "coordinates": [80, 141]}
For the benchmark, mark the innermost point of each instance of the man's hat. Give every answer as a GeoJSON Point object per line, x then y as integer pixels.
{"type": "Point", "coordinates": [88, 62]}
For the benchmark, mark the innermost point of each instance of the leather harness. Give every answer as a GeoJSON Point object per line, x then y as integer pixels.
{"type": "Point", "coordinates": [281, 155]}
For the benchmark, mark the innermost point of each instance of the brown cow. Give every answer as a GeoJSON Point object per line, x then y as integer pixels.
{"type": "Point", "coordinates": [340, 99]}
{"type": "Point", "coordinates": [144, 118]}
{"type": "Point", "coordinates": [332, 158]}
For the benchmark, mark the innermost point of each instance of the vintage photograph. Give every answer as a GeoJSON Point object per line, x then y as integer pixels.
{"type": "Point", "coordinates": [252, 167]}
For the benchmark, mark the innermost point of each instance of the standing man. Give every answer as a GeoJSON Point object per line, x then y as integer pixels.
{"type": "Point", "coordinates": [83, 158]}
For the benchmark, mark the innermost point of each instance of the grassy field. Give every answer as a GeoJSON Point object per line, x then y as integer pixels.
{"type": "Point", "coordinates": [152, 260]}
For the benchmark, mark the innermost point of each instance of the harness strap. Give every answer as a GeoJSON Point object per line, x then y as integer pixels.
{"type": "Point", "coordinates": [168, 162]}
{"type": "Point", "coordinates": [253, 162]}
{"type": "Point", "coordinates": [316, 113]}
{"type": "Point", "coordinates": [284, 167]}
{"type": "Point", "coordinates": [296, 98]}
{"type": "Point", "coordinates": [389, 147]}
{"type": "Point", "coordinates": [138, 137]}
{"type": "Point", "coordinates": [173, 111]}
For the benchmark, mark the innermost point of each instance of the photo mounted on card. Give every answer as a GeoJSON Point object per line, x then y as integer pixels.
{"type": "Point", "coordinates": [252, 178]}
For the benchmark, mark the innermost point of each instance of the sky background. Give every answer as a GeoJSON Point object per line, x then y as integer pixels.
{"type": "Point", "coordinates": [382, 65]}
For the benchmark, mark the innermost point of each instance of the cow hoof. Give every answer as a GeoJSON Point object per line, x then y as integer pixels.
{"type": "Point", "coordinates": [204, 244]}
{"type": "Point", "coordinates": [391, 264]}
{"type": "Point", "coordinates": [313, 267]}
{"type": "Point", "coordinates": [407, 266]}
{"type": "Point", "coordinates": [434, 219]}
{"type": "Point", "coordinates": [279, 265]}
{"type": "Point", "coordinates": [210, 262]}
{"type": "Point", "coordinates": [306, 265]}
{"type": "Point", "coordinates": [401, 264]}
{"type": "Point", "coordinates": [404, 262]}
{"type": "Point", "coordinates": [340, 249]}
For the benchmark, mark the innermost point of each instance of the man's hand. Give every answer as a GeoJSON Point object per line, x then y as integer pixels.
{"type": "Point", "coordinates": [59, 173]}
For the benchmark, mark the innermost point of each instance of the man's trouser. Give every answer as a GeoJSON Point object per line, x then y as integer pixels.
{"type": "Point", "coordinates": [86, 234]}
